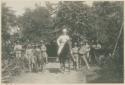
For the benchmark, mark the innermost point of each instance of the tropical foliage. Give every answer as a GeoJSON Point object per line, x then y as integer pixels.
{"type": "Point", "coordinates": [101, 22]}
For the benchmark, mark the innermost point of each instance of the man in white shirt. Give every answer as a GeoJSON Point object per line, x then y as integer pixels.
{"type": "Point", "coordinates": [18, 53]}
{"type": "Point", "coordinates": [43, 51]}
{"type": "Point", "coordinates": [62, 40]}
{"type": "Point", "coordinates": [18, 50]}
{"type": "Point", "coordinates": [29, 56]}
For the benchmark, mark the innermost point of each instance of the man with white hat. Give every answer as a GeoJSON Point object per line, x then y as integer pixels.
{"type": "Point", "coordinates": [62, 39]}
{"type": "Point", "coordinates": [18, 49]}
{"type": "Point", "coordinates": [43, 51]}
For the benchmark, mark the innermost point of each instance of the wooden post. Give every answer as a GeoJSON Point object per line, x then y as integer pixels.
{"type": "Point", "coordinates": [117, 40]}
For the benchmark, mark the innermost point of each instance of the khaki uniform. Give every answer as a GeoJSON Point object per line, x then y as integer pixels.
{"type": "Point", "coordinates": [87, 50]}
{"type": "Point", "coordinates": [30, 55]}
{"type": "Point", "coordinates": [98, 46]}
{"type": "Point", "coordinates": [44, 53]}
{"type": "Point", "coordinates": [84, 50]}
{"type": "Point", "coordinates": [18, 50]}
{"type": "Point", "coordinates": [61, 42]}
{"type": "Point", "coordinates": [75, 52]}
{"type": "Point", "coordinates": [37, 54]}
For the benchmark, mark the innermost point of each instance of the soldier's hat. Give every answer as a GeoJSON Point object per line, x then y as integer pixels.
{"type": "Point", "coordinates": [86, 41]}
{"type": "Point", "coordinates": [17, 41]}
{"type": "Point", "coordinates": [64, 30]}
{"type": "Point", "coordinates": [29, 45]}
{"type": "Point", "coordinates": [41, 41]}
{"type": "Point", "coordinates": [75, 43]}
{"type": "Point", "coordinates": [37, 45]}
{"type": "Point", "coordinates": [32, 44]}
{"type": "Point", "coordinates": [81, 42]}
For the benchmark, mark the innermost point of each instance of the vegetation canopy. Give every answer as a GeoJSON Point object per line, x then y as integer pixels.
{"type": "Point", "coordinates": [100, 22]}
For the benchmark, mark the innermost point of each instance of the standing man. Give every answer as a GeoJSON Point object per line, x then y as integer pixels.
{"type": "Point", "coordinates": [29, 56]}
{"type": "Point", "coordinates": [75, 50]}
{"type": "Point", "coordinates": [18, 52]}
{"type": "Point", "coordinates": [88, 50]}
{"type": "Point", "coordinates": [62, 39]}
{"type": "Point", "coordinates": [18, 49]}
{"type": "Point", "coordinates": [44, 51]}
{"type": "Point", "coordinates": [83, 52]}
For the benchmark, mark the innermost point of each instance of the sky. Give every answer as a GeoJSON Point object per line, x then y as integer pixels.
{"type": "Point", "coordinates": [19, 5]}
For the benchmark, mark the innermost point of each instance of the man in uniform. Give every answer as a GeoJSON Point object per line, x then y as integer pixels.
{"type": "Point", "coordinates": [75, 50]}
{"type": "Point", "coordinates": [83, 52]}
{"type": "Point", "coordinates": [38, 58]}
{"type": "Point", "coordinates": [18, 49]}
{"type": "Point", "coordinates": [44, 51]}
{"type": "Point", "coordinates": [18, 54]}
{"type": "Point", "coordinates": [29, 56]}
{"type": "Point", "coordinates": [88, 50]}
{"type": "Point", "coordinates": [62, 39]}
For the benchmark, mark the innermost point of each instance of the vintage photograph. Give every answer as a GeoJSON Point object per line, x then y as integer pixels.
{"type": "Point", "coordinates": [62, 42]}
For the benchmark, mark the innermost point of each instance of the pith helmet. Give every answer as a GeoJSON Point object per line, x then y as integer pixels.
{"type": "Point", "coordinates": [64, 30]}
{"type": "Point", "coordinates": [41, 41]}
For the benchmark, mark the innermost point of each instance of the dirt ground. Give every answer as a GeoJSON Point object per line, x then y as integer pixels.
{"type": "Point", "coordinates": [52, 74]}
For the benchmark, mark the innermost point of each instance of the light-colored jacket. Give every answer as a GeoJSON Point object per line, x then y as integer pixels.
{"type": "Point", "coordinates": [75, 50]}
{"type": "Point", "coordinates": [62, 40]}
{"type": "Point", "coordinates": [84, 50]}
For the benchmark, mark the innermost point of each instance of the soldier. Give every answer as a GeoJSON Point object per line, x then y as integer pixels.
{"type": "Point", "coordinates": [83, 52]}
{"type": "Point", "coordinates": [29, 55]}
{"type": "Point", "coordinates": [43, 52]}
{"type": "Point", "coordinates": [98, 45]}
{"type": "Point", "coordinates": [38, 58]}
{"type": "Point", "coordinates": [88, 50]}
{"type": "Point", "coordinates": [62, 40]}
{"type": "Point", "coordinates": [18, 49]}
{"type": "Point", "coordinates": [75, 54]}
{"type": "Point", "coordinates": [92, 52]}
{"type": "Point", "coordinates": [18, 52]}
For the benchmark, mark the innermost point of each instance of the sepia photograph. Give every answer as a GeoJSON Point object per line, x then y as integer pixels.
{"type": "Point", "coordinates": [62, 42]}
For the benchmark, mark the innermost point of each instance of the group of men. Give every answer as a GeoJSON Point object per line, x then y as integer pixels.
{"type": "Point", "coordinates": [84, 53]}
{"type": "Point", "coordinates": [35, 55]}
{"type": "Point", "coordinates": [32, 56]}
{"type": "Point", "coordinates": [79, 53]}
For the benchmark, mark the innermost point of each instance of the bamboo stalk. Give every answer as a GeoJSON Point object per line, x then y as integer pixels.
{"type": "Point", "coordinates": [117, 40]}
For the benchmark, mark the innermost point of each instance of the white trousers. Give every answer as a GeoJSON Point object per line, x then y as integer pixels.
{"type": "Point", "coordinates": [60, 49]}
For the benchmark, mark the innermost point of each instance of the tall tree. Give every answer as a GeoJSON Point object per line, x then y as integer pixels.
{"type": "Point", "coordinates": [109, 18]}
{"type": "Point", "coordinates": [8, 21]}
{"type": "Point", "coordinates": [35, 23]}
